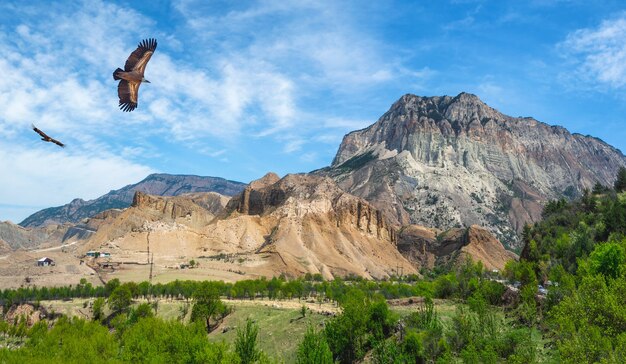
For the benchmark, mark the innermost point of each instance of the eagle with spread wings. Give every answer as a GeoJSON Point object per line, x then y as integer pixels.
{"type": "Point", "coordinates": [46, 138]}
{"type": "Point", "coordinates": [131, 76]}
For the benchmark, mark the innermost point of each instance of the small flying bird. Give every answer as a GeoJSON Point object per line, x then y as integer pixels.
{"type": "Point", "coordinates": [46, 138]}
{"type": "Point", "coordinates": [132, 75]}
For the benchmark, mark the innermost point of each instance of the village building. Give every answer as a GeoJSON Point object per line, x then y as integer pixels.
{"type": "Point", "coordinates": [96, 254]}
{"type": "Point", "coordinates": [44, 262]}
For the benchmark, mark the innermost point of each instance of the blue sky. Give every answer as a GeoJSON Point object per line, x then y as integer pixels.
{"type": "Point", "coordinates": [242, 88]}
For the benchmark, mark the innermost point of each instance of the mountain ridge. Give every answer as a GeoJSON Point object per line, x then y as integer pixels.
{"type": "Point", "coordinates": [161, 184]}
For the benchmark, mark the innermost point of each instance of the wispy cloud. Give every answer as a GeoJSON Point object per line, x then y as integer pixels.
{"type": "Point", "coordinates": [52, 176]}
{"type": "Point", "coordinates": [599, 54]}
{"type": "Point", "coordinates": [289, 50]}
{"type": "Point", "coordinates": [293, 145]}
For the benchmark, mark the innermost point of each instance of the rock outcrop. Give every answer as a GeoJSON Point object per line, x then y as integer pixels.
{"type": "Point", "coordinates": [295, 225]}
{"type": "Point", "coordinates": [454, 161]}
{"type": "Point", "coordinates": [301, 195]}
{"type": "Point", "coordinates": [427, 248]}
{"type": "Point", "coordinates": [189, 212]}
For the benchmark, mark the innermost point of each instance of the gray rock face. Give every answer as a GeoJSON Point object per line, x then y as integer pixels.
{"type": "Point", "coordinates": [454, 161]}
{"type": "Point", "coordinates": [154, 184]}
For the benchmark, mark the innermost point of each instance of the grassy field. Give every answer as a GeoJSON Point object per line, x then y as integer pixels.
{"type": "Point", "coordinates": [280, 329]}
{"type": "Point", "coordinates": [445, 309]}
{"type": "Point", "coordinates": [281, 325]}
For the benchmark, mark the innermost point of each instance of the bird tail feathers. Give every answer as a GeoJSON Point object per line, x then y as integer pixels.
{"type": "Point", "coordinates": [115, 76]}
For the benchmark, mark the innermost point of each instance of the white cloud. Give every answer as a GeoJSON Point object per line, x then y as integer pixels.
{"type": "Point", "coordinates": [599, 54]}
{"type": "Point", "coordinates": [315, 42]}
{"type": "Point", "coordinates": [59, 73]}
{"type": "Point", "coordinates": [50, 176]}
{"type": "Point", "coordinates": [217, 80]}
{"type": "Point", "coordinates": [468, 21]}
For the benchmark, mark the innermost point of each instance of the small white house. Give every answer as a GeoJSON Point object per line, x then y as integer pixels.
{"type": "Point", "coordinates": [44, 262]}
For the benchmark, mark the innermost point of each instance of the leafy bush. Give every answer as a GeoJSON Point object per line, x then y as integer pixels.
{"type": "Point", "coordinates": [314, 349]}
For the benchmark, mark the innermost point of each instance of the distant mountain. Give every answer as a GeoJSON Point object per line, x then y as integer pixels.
{"type": "Point", "coordinates": [448, 162]}
{"type": "Point", "coordinates": [154, 184]}
{"type": "Point", "coordinates": [16, 237]}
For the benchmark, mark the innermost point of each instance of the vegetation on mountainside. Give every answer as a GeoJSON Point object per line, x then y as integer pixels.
{"type": "Point", "coordinates": [579, 251]}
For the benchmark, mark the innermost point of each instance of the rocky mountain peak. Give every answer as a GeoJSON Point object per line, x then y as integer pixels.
{"type": "Point", "coordinates": [450, 117]}
{"type": "Point", "coordinates": [268, 179]}
{"type": "Point", "coordinates": [447, 162]}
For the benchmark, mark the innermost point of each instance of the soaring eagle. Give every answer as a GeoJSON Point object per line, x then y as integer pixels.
{"type": "Point", "coordinates": [46, 138]}
{"type": "Point", "coordinates": [132, 74]}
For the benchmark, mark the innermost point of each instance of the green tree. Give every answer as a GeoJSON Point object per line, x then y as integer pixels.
{"type": "Point", "coordinates": [599, 189]}
{"type": "Point", "coordinates": [380, 319]}
{"type": "Point", "coordinates": [346, 333]}
{"type": "Point", "coordinates": [69, 341]}
{"type": "Point", "coordinates": [607, 259]}
{"type": "Point", "coordinates": [303, 310]}
{"type": "Point", "coordinates": [620, 182]}
{"type": "Point", "coordinates": [152, 340]}
{"type": "Point", "coordinates": [110, 286]}
{"type": "Point", "coordinates": [246, 343]}
{"type": "Point", "coordinates": [98, 309]}
{"type": "Point", "coordinates": [207, 305]}
{"type": "Point", "coordinates": [313, 349]}
{"type": "Point", "coordinates": [413, 347]}
{"type": "Point", "coordinates": [144, 288]}
{"type": "Point", "coordinates": [388, 352]}
{"type": "Point", "coordinates": [144, 310]}
{"type": "Point", "coordinates": [120, 299]}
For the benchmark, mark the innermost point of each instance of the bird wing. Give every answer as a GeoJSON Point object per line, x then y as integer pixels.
{"type": "Point", "coordinates": [57, 143]}
{"type": "Point", "coordinates": [128, 93]}
{"type": "Point", "coordinates": [43, 135]}
{"type": "Point", "coordinates": [138, 60]}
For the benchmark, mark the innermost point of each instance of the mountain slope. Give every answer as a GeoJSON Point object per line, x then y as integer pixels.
{"type": "Point", "coordinates": [17, 237]}
{"type": "Point", "coordinates": [154, 184]}
{"type": "Point", "coordinates": [429, 248]}
{"type": "Point", "coordinates": [449, 162]}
